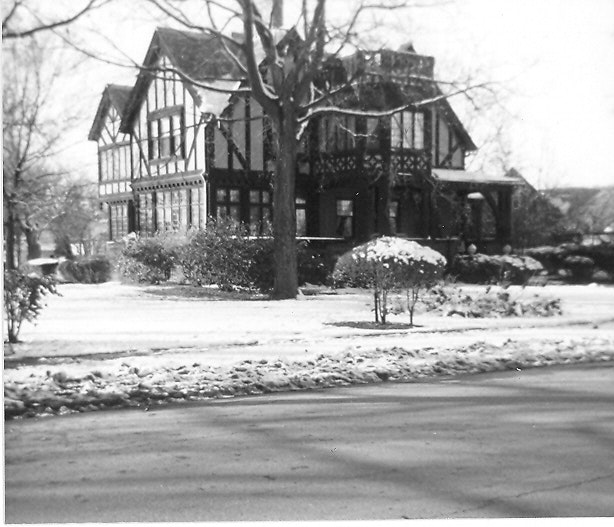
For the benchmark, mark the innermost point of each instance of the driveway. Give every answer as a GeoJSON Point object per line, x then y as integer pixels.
{"type": "Point", "coordinates": [522, 444]}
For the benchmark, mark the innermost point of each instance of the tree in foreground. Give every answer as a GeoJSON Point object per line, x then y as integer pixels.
{"type": "Point", "coordinates": [389, 264]}
{"type": "Point", "coordinates": [24, 297]}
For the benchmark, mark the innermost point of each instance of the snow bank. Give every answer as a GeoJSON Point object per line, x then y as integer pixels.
{"type": "Point", "coordinates": [68, 388]}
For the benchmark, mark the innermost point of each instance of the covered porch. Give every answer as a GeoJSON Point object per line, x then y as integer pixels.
{"type": "Point", "coordinates": [474, 206]}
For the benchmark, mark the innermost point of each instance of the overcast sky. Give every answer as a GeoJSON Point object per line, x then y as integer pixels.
{"type": "Point", "coordinates": [556, 57]}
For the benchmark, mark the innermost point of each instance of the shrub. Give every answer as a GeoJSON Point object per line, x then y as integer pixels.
{"type": "Point", "coordinates": [483, 269]}
{"type": "Point", "coordinates": [224, 254]}
{"type": "Point", "coordinates": [554, 258]}
{"type": "Point", "coordinates": [149, 260]}
{"type": "Point", "coordinates": [580, 267]}
{"type": "Point", "coordinates": [90, 270]}
{"type": "Point", "coordinates": [493, 302]}
{"type": "Point", "coordinates": [23, 299]}
{"type": "Point", "coordinates": [551, 258]}
{"type": "Point", "coordinates": [351, 272]}
{"type": "Point", "coordinates": [388, 264]}
{"type": "Point", "coordinates": [312, 265]}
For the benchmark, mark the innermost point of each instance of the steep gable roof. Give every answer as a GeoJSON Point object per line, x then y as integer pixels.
{"type": "Point", "coordinates": [113, 95]}
{"type": "Point", "coordinates": [199, 56]}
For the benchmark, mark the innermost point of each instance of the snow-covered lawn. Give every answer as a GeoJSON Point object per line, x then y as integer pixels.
{"type": "Point", "coordinates": [115, 344]}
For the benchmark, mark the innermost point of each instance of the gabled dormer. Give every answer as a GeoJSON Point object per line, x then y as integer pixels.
{"type": "Point", "coordinates": [114, 164]}
{"type": "Point", "coordinates": [114, 160]}
{"type": "Point", "coordinates": [164, 112]}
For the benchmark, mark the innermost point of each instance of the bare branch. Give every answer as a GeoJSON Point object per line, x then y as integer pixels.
{"type": "Point", "coordinates": [7, 33]}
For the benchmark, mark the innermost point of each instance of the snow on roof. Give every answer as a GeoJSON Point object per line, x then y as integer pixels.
{"type": "Point", "coordinates": [215, 102]}
{"type": "Point", "coordinates": [475, 177]}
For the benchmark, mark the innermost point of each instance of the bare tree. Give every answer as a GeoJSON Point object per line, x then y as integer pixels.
{"type": "Point", "coordinates": [23, 18]}
{"type": "Point", "coordinates": [31, 137]}
{"type": "Point", "coordinates": [74, 219]}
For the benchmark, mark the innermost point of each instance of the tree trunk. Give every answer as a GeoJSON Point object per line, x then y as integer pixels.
{"type": "Point", "coordinates": [10, 237]}
{"type": "Point", "coordinates": [284, 213]}
{"type": "Point", "coordinates": [34, 246]}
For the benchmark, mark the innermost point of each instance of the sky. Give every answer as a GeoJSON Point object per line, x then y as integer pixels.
{"type": "Point", "coordinates": [553, 61]}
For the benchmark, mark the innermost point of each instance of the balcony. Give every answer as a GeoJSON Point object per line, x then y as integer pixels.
{"type": "Point", "coordinates": [408, 166]}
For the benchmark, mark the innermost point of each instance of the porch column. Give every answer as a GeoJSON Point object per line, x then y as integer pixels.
{"type": "Point", "coordinates": [504, 216]}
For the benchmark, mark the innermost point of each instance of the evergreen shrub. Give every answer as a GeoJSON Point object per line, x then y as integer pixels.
{"type": "Point", "coordinates": [580, 267]}
{"type": "Point", "coordinates": [224, 254]}
{"type": "Point", "coordinates": [149, 260]}
{"type": "Point", "coordinates": [89, 270]}
{"type": "Point", "coordinates": [485, 269]}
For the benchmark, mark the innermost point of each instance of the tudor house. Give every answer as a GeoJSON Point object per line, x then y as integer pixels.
{"type": "Point", "coordinates": [172, 154]}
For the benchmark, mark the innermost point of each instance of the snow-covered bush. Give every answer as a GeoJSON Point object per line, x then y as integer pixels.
{"type": "Point", "coordinates": [493, 302]}
{"type": "Point", "coordinates": [23, 299]}
{"type": "Point", "coordinates": [393, 264]}
{"type": "Point", "coordinates": [149, 260]}
{"type": "Point", "coordinates": [485, 269]}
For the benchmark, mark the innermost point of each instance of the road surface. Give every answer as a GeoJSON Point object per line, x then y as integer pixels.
{"type": "Point", "coordinates": [536, 443]}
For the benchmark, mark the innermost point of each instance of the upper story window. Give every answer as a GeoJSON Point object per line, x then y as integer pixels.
{"type": "Point", "coordinates": [407, 130]}
{"type": "Point", "coordinates": [165, 135]}
{"type": "Point", "coordinates": [115, 162]}
{"type": "Point", "coordinates": [337, 133]}
{"type": "Point", "coordinates": [372, 132]}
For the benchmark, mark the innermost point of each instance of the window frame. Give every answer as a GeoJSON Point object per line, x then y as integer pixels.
{"type": "Point", "coordinates": [166, 135]}
{"type": "Point", "coordinates": [403, 128]}
{"type": "Point", "coordinates": [343, 227]}
{"type": "Point", "coordinates": [263, 209]}
{"type": "Point", "coordinates": [227, 204]}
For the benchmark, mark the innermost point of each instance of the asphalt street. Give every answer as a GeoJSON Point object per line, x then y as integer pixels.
{"type": "Point", "coordinates": [535, 443]}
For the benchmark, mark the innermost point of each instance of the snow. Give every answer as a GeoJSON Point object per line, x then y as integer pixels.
{"type": "Point", "coordinates": [119, 345]}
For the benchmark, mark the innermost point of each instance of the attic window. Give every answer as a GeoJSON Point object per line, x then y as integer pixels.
{"type": "Point", "coordinates": [165, 136]}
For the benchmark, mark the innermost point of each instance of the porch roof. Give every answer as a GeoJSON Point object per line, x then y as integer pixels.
{"type": "Point", "coordinates": [446, 175]}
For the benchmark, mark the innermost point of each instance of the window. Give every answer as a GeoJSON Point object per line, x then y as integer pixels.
{"type": "Point", "coordinates": [196, 207]}
{"type": "Point", "coordinates": [407, 130]}
{"type": "Point", "coordinates": [301, 216]}
{"type": "Point", "coordinates": [393, 214]}
{"type": "Point", "coordinates": [337, 133]}
{"type": "Point", "coordinates": [259, 211]}
{"type": "Point", "coordinates": [165, 136]}
{"type": "Point", "coordinates": [183, 208]}
{"type": "Point", "coordinates": [228, 203]}
{"type": "Point", "coordinates": [146, 213]}
{"type": "Point", "coordinates": [118, 213]}
{"type": "Point", "coordinates": [345, 218]}
{"type": "Point", "coordinates": [372, 132]}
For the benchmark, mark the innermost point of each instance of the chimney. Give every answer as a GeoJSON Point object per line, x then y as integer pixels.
{"type": "Point", "coordinates": [277, 14]}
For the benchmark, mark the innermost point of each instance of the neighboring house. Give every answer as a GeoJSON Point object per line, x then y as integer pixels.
{"type": "Point", "coordinates": [182, 153]}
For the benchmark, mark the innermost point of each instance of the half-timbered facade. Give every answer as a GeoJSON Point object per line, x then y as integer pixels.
{"type": "Point", "coordinates": [115, 168]}
{"type": "Point", "coordinates": [196, 153]}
